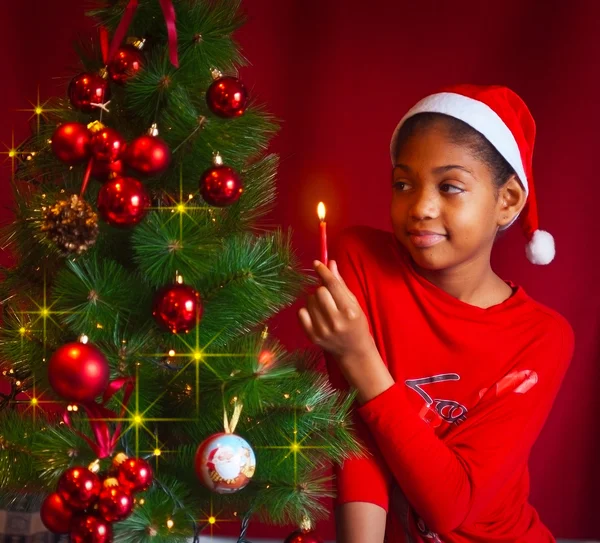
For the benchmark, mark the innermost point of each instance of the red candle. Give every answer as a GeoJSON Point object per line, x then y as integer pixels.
{"type": "Point", "coordinates": [323, 232]}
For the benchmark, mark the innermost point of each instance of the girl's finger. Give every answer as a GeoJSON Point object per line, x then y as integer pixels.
{"type": "Point", "coordinates": [327, 306]}
{"type": "Point", "coordinates": [334, 268]}
{"type": "Point", "coordinates": [306, 323]}
{"type": "Point", "coordinates": [336, 272]}
{"type": "Point", "coordinates": [319, 323]}
{"type": "Point", "coordinates": [335, 286]}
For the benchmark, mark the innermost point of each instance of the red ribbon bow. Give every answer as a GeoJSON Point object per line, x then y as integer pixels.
{"type": "Point", "coordinates": [169, 15]}
{"type": "Point", "coordinates": [103, 443]}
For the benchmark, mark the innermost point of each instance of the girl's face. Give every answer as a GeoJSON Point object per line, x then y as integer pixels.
{"type": "Point", "coordinates": [444, 208]}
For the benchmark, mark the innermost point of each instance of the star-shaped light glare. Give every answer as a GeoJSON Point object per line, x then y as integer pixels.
{"type": "Point", "coordinates": [39, 110]}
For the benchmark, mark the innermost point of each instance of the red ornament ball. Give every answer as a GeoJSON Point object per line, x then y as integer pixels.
{"type": "Point", "coordinates": [79, 487]}
{"type": "Point", "coordinates": [107, 145]}
{"type": "Point", "coordinates": [303, 536]}
{"type": "Point", "coordinates": [105, 170]}
{"type": "Point", "coordinates": [56, 514]}
{"type": "Point", "coordinates": [147, 154]}
{"type": "Point", "coordinates": [221, 186]}
{"type": "Point", "coordinates": [78, 372]}
{"type": "Point", "coordinates": [88, 89]}
{"type": "Point", "coordinates": [225, 463]}
{"type": "Point", "coordinates": [123, 201]}
{"type": "Point", "coordinates": [127, 62]}
{"type": "Point", "coordinates": [177, 307]}
{"type": "Point", "coordinates": [227, 97]}
{"type": "Point", "coordinates": [90, 529]}
{"type": "Point", "coordinates": [71, 143]}
{"type": "Point", "coordinates": [135, 474]}
{"type": "Point", "coordinates": [115, 503]}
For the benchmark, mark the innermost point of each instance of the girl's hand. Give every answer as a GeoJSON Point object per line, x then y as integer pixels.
{"type": "Point", "coordinates": [333, 318]}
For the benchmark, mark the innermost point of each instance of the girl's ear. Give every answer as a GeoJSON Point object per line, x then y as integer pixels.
{"type": "Point", "coordinates": [511, 200]}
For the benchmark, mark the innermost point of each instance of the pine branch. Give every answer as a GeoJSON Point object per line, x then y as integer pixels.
{"type": "Point", "coordinates": [252, 279]}
{"type": "Point", "coordinates": [170, 242]}
{"type": "Point", "coordinates": [93, 291]}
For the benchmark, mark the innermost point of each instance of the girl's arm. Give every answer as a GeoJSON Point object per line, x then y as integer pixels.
{"type": "Point", "coordinates": [357, 522]}
{"type": "Point", "coordinates": [364, 480]}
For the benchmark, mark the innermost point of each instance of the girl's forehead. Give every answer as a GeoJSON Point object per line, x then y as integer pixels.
{"type": "Point", "coordinates": [434, 143]}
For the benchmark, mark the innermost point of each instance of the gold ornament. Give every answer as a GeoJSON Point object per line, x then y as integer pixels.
{"type": "Point", "coordinates": [110, 482]}
{"type": "Point", "coordinates": [72, 224]}
{"type": "Point", "coordinates": [119, 459]}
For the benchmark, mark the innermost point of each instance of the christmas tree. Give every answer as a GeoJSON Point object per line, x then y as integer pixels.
{"type": "Point", "coordinates": [148, 400]}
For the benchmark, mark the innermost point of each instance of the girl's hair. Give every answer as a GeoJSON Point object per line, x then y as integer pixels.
{"type": "Point", "coordinates": [460, 134]}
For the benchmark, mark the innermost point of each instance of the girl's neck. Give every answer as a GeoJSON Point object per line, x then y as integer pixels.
{"type": "Point", "coordinates": [472, 282]}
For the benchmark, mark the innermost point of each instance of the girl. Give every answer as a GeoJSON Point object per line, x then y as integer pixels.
{"type": "Point", "coordinates": [455, 369]}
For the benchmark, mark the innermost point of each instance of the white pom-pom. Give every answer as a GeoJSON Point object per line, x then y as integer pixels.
{"type": "Point", "coordinates": [541, 250]}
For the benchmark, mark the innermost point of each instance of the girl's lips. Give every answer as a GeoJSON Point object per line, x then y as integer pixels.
{"type": "Point", "coordinates": [425, 240]}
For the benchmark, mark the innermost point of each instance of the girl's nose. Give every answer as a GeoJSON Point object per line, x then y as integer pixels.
{"type": "Point", "coordinates": [426, 205]}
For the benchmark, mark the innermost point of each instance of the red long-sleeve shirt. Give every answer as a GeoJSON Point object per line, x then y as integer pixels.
{"type": "Point", "coordinates": [450, 440]}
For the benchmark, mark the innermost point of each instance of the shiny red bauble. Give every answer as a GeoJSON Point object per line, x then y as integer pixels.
{"type": "Point", "coordinates": [147, 154]}
{"type": "Point", "coordinates": [303, 536]}
{"type": "Point", "coordinates": [135, 474]}
{"type": "Point", "coordinates": [115, 503]}
{"type": "Point", "coordinates": [90, 529]}
{"type": "Point", "coordinates": [78, 372]}
{"type": "Point", "coordinates": [127, 62]}
{"type": "Point", "coordinates": [56, 514]}
{"type": "Point", "coordinates": [221, 186]}
{"type": "Point", "coordinates": [86, 90]}
{"type": "Point", "coordinates": [71, 143]}
{"type": "Point", "coordinates": [123, 201]}
{"type": "Point", "coordinates": [105, 170]}
{"type": "Point", "coordinates": [107, 145]}
{"type": "Point", "coordinates": [227, 97]}
{"type": "Point", "coordinates": [177, 307]}
{"type": "Point", "coordinates": [79, 487]}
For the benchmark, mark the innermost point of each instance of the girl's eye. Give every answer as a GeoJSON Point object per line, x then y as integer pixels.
{"type": "Point", "coordinates": [400, 185]}
{"type": "Point", "coordinates": [451, 189]}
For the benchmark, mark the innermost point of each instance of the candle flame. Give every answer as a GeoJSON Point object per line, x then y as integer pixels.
{"type": "Point", "coordinates": [321, 211]}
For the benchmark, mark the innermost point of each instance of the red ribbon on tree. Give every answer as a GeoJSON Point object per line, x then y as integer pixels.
{"type": "Point", "coordinates": [169, 15]}
{"type": "Point", "coordinates": [99, 416]}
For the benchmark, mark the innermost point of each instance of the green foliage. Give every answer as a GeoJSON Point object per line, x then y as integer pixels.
{"type": "Point", "coordinates": [244, 271]}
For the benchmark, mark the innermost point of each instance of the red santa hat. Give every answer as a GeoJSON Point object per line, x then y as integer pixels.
{"type": "Point", "coordinates": [502, 117]}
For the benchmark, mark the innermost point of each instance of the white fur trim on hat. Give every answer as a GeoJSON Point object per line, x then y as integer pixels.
{"type": "Point", "coordinates": [541, 250]}
{"type": "Point", "coordinates": [477, 115]}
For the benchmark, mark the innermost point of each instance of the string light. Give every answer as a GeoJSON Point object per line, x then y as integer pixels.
{"type": "Point", "coordinates": [170, 524]}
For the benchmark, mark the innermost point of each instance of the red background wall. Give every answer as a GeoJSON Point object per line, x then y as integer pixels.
{"type": "Point", "coordinates": [340, 74]}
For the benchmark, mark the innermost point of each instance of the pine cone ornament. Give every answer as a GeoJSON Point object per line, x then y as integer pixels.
{"type": "Point", "coordinates": [71, 224]}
